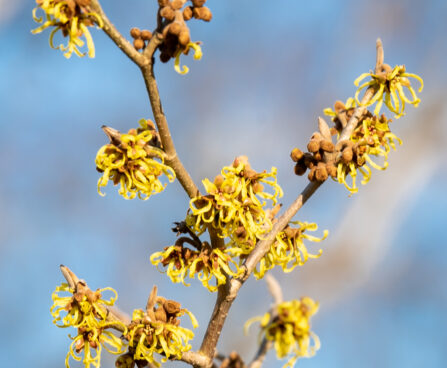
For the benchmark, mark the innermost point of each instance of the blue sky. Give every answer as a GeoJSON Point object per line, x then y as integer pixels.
{"type": "Point", "coordinates": [268, 71]}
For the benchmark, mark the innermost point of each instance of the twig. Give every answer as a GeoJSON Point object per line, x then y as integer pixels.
{"type": "Point", "coordinates": [117, 37]}
{"type": "Point", "coordinates": [275, 290]}
{"type": "Point", "coordinates": [228, 292]}
{"type": "Point", "coordinates": [265, 346]}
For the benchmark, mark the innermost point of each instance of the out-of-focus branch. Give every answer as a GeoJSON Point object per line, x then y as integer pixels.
{"type": "Point", "coordinates": [275, 290]}
{"type": "Point", "coordinates": [229, 291]}
{"type": "Point", "coordinates": [117, 37]}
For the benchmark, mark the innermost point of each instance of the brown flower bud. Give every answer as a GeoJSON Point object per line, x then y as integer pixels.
{"type": "Point", "coordinates": [83, 2]}
{"type": "Point", "coordinates": [327, 145]}
{"type": "Point", "coordinates": [240, 160]}
{"type": "Point", "coordinates": [309, 160]}
{"type": "Point", "coordinates": [146, 35]}
{"type": "Point", "coordinates": [313, 145]}
{"type": "Point", "coordinates": [168, 13]}
{"type": "Point", "coordinates": [171, 306]}
{"type": "Point", "coordinates": [174, 28]}
{"type": "Point", "coordinates": [183, 37]}
{"type": "Point", "coordinates": [347, 155]}
{"type": "Point", "coordinates": [160, 315]}
{"type": "Point", "coordinates": [205, 14]}
{"type": "Point", "coordinates": [187, 13]}
{"type": "Point", "coordinates": [198, 3]}
{"type": "Point", "coordinates": [300, 168]}
{"type": "Point", "coordinates": [339, 106]}
{"type": "Point", "coordinates": [164, 57]}
{"type": "Point", "coordinates": [331, 170]}
{"type": "Point", "coordinates": [296, 154]}
{"type": "Point", "coordinates": [321, 172]}
{"type": "Point", "coordinates": [176, 4]}
{"type": "Point", "coordinates": [218, 180]}
{"type": "Point", "coordinates": [334, 131]}
{"type": "Point", "coordinates": [318, 156]}
{"type": "Point", "coordinates": [163, 3]}
{"type": "Point", "coordinates": [138, 43]}
{"type": "Point", "coordinates": [135, 32]}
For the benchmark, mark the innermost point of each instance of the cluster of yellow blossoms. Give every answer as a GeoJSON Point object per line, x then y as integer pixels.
{"type": "Point", "coordinates": [289, 250]}
{"type": "Point", "coordinates": [207, 263]}
{"type": "Point", "coordinates": [156, 330]}
{"type": "Point", "coordinates": [234, 208]}
{"type": "Point", "coordinates": [235, 204]}
{"type": "Point", "coordinates": [288, 327]}
{"type": "Point", "coordinates": [72, 18]}
{"type": "Point", "coordinates": [372, 136]}
{"type": "Point", "coordinates": [86, 311]}
{"type": "Point", "coordinates": [388, 85]}
{"type": "Point", "coordinates": [131, 161]}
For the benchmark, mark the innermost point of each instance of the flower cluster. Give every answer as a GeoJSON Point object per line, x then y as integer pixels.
{"type": "Point", "coordinates": [86, 311]}
{"type": "Point", "coordinates": [288, 326]}
{"type": "Point", "coordinates": [235, 204]}
{"type": "Point", "coordinates": [72, 18]}
{"type": "Point", "coordinates": [207, 263]}
{"type": "Point", "coordinates": [157, 330]}
{"type": "Point", "coordinates": [289, 250]}
{"type": "Point", "coordinates": [131, 161]}
{"type": "Point", "coordinates": [173, 16]}
{"type": "Point", "coordinates": [372, 137]}
{"type": "Point", "coordinates": [389, 86]}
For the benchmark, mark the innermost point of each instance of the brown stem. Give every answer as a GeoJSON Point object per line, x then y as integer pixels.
{"type": "Point", "coordinates": [228, 292]}
{"type": "Point", "coordinates": [117, 37]}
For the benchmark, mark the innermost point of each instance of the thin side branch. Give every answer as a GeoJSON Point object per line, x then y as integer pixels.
{"type": "Point", "coordinates": [228, 292]}
{"type": "Point", "coordinates": [117, 37]}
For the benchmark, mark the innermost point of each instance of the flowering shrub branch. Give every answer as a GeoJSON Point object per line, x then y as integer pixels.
{"type": "Point", "coordinates": [239, 211]}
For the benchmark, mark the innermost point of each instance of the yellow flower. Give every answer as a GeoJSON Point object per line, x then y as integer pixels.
{"type": "Point", "coordinates": [85, 310]}
{"type": "Point", "coordinates": [290, 248]}
{"type": "Point", "coordinates": [235, 204]}
{"type": "Point", "coordinates": [288, 326]}
{"type": "Point", "coordinates": [72, 18]}
{"type": "Point", "coordinates": [197, 56]}
{"type": "Point", "coordinates": [389, 88]}
{"type": "Point", "coordinates": [132, 162]}
{"type": "Point", "coordinates": [159, 331]}
{"type": "Point", "coordinates": [372, 137]}
{"type": "Point", "coordinates": [206, 264]}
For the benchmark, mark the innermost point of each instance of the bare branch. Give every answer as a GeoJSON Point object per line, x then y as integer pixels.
{"type": "Point", "coordinates": [165, 135]}
{"type": "Point", "coordinates": [257, 361]}
{"type": "Point", "coordinates": [117, 37]}
{"type": "Point", "coordinates": [228, 292]}
{"type": "Point", "coordinates": [274, 288]}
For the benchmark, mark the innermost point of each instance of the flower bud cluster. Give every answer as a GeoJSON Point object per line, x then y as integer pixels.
{"type": "Point", "coordinates": [288, 326]}
{"type": "Point", "coordinates": [72, 18]}
{"type": "Point", "coordinates": [176, 35]}
{"type": "Point", "coordinates": [140, 37]}
{"type": "Point", "coordinates": [134, 161]}
{"type": "Point", "coordinates": [157, 330]}
{"type": "Point", "coordinates": [86, 311]}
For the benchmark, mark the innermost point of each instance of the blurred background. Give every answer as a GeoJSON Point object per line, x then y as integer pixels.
{"type": "Point", "coordinates": [269, 69]}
